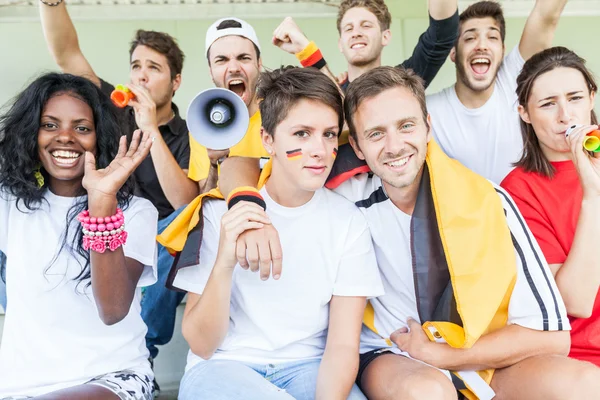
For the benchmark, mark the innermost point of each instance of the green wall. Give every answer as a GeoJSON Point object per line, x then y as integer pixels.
{"type": "Point", "coordinates": [105, 44]}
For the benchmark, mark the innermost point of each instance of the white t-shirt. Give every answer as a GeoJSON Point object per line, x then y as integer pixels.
{"type": "Point", "coordinates": [327, 251]}
{"type": "Point", "coordinates": [487, 140]}
{"type": "Point", "coordinates": [535, 301]}
{"type": "Point", "coordinates": [53, 337]}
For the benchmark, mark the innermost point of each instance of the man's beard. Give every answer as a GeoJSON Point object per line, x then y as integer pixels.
{"type": "Point", "coordinates": [464, 78]}
{"type": "Point", "coordinates": [364, 61]}
{"type": "Point", "coordinates": [166, 98]}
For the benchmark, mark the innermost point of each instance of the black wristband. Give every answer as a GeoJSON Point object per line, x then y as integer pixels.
{"type": "Point", "coordinates": [252, 199]}
{"type": "Point", "coordinates": [245, 193]}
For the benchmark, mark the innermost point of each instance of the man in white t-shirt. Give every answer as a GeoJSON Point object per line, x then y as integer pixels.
{"type": "Point", "coordinates": [453, 248]}
{"type": "Point", "coordinates": [295, 336]}
{"type": "Point", "coordinates": [475, 120]}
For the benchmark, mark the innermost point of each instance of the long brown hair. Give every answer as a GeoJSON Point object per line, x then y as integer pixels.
{"type": "Point", "coordinates": [533, 159]}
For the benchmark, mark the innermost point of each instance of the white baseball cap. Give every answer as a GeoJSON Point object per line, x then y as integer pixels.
{"type": "Point", "coordinates": [246, 30]}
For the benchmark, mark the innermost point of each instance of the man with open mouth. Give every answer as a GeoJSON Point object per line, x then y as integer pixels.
{"type": "Point", "coordinates": [234, 62]}
{"type": "Point", "coordinates": [475, 120]}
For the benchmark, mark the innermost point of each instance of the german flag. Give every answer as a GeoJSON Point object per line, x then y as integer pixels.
{"type": "Point", "coordinates": [294, 154]}
{"type": "Point", "coordinates": [334, 153]}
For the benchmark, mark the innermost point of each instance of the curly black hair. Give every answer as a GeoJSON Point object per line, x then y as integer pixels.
{"type": "Point", "coordinates": [19, 127]}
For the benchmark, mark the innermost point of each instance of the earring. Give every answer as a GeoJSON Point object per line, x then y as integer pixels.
{"type": "Point", "coordinates": [38, 176]}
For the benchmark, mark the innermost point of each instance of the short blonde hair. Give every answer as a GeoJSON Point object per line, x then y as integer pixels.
{"type": "Point", "coordinates": [377, 7]}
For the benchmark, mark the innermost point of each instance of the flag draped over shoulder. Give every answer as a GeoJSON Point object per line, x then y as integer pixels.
{"type": "Point", "coordinates": [464, 262]}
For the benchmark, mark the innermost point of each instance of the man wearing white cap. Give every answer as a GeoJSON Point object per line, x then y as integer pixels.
{"type": "Point", "coordinates": [234, 62]}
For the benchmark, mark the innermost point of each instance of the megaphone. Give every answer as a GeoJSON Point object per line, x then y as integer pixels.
{"type": "Point", "coordinates": [217, 118]}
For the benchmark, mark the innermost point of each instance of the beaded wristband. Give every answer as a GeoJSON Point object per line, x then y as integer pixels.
{"type": "Point", "coordinates": [104, 232]}
{"type": "Point", "coordinates": [245, 193]}
{"type": "Point", "coordinates": [100, 243]}
{"type": "Point", "coordinates": [51, 4]}
{"type": "Point", "coordinates": [311, 56]}
{"type": "Point", "coordinates": [94, 224]}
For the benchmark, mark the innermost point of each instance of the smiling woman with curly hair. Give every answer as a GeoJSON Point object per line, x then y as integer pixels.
{"type": "Point", "coordinates": [73, 272]}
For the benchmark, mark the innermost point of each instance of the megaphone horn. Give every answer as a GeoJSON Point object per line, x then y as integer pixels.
{"type": "Point", "coordinates": [217, 118]}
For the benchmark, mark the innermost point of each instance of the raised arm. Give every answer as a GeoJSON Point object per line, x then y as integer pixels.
{"type": "Point", "coordinates": [435, 43]}
{"type": "Point", "coordinates": [62, 42]}
{"type": "Point", "coordinates": [442, 9]}
{"type": "Point", "coordinates": [289, 38]}
{"type": "Point", "coordinates": [540, 27]}
{"type": "Point", "coordinates": [114, 276]}
{"type": "Point", "coordinates": [173, 179]}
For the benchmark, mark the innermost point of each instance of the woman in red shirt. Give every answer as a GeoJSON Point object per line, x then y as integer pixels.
{"type": "Point", "coordinates": [556, 184]}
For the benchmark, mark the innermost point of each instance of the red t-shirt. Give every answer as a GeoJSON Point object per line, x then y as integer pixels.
{"type": "Point", "coordinates": [551, 208]}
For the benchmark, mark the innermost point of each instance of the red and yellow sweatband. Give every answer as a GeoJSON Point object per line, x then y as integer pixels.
{"type": "Point", "coordinates": [245, 193]}
{"type": "Point", "coordinates": [311, 56]}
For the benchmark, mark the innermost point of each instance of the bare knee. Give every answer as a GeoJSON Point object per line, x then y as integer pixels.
{"type": "Point", "coordinates": [548, 378]}
{"type": "Point", "coordinates": [424, 385]}
{"type": "Point", "coordinates": [582, 381]}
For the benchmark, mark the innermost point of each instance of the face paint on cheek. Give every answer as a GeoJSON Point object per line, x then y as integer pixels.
{"type": "Point", "coordinates": [334, 153]}
{"type": "Point", "coordinates": [295, 154]}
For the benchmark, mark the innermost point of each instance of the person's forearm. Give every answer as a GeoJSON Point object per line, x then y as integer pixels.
{"type": "Point", "coordinates": [540, 27]}
{"type": "Point", "coordinates": [205, 325]}
{"type": "Point", "coordinates": [442, 9]}
{"type": "Point", "coordinates": [434, 45]}
{"type": "Point", "coordinates": [502, 348]}
{"type": "Point", "coordinates": [211, 180]}
{"type": "Point", "coordinates": [59, 31]}
{"type": "Point", "coordinates": [578, 279]}
{"type": "Point", "coordinates": [237, 172]}
{"type": "Point", "coordinates": [337, 372]}
{"type": "Point", "coordinates": [62, 41]}
{"type": "Point", "coordinates": [113, 281]}
{"type": "Point", "coordinates": [549, 10]}
{"type": "Point", "coordinates": [325, 70]}
{"type": "Point", "coordinates": [178, 188]}
{"type": "Point", "coordinates": [307, 57]}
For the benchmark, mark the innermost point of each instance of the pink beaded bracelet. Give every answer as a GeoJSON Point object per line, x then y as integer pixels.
{"type": "Point", "coordinates": [99, 244]}
{"type": "Point", "coordinates": [102, 233]}
{"type": "Point", "coordinates": [94, 224]}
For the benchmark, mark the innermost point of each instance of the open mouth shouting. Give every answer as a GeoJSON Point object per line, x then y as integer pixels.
{"type": "Point", "coordinates": [238, 86]}
{"type": "Point", "coordinates": [65, 158]}
{"type": "Point", "coordinates": [480, 65]}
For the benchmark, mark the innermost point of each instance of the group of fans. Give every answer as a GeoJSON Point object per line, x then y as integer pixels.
{"type": "Point", "coordinates": [362, 241]}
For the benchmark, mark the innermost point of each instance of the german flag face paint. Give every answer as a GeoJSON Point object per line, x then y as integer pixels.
{"type": "Point", "coordinates": [334, 153]}
{"type": "Point", "coordinates": [294, 154]}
